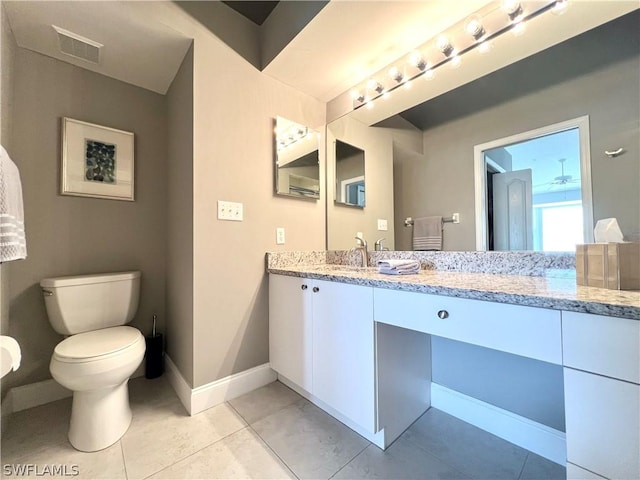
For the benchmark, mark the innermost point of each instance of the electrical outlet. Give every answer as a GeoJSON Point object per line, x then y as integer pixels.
{"type": "Point", "coordinates": [230, 211]}
{"type": "Point", "coordinates": [382, 224]}
{"type": "Point", "coordinates": [280, 235]}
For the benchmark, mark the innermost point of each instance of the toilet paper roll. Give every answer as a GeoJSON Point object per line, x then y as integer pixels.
{"type": "Point", "coordinates": [10, 355]}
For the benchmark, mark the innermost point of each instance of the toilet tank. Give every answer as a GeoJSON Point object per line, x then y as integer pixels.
{"type": "Point", "coordinates": [90, 302]}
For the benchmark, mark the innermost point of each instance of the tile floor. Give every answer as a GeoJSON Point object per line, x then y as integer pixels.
{"type": "Point", "coordinates": [269, 433]}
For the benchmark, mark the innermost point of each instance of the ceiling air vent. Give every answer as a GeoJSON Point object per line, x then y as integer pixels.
{"type": "Point", "coordinates": [78, 46]}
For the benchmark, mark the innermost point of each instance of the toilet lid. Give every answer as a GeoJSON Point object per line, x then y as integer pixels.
{"type": "Point", "coordinates": [97, 343]}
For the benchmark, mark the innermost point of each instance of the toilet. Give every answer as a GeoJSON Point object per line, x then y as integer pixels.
{"type": "Point", "coordinates": [100, 354]}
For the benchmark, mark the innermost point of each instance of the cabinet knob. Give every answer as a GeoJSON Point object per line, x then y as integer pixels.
{"type": "Point", "coordinates": [442, 314]}
{"type": "Point", "coordinates": [316, 289]}
{"type": "Point", "coordinates": [304, 287]}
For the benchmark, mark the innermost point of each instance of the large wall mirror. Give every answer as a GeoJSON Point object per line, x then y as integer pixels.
{"type": "Point", "coordinates": [297, 168]}
{"type": "Point", "coordinates": [420, 162]}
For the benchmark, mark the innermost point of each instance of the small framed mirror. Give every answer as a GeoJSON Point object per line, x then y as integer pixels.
{"type": "Point", "coordinates": [297, 167]}
{"type": "Point", "coordinates": [350, 181]}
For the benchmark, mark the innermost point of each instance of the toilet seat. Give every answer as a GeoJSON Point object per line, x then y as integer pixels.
{"type": "Point", "coordinates": [97, 345]}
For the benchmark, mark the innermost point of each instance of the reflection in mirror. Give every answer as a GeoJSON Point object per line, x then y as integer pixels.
{"type": "Point", "coordinates": [431, 155]}
{"type": "Point", "coordinates": [533, 190]}
{"type": "Point", "coordinates": [350, 185]}
{"type": "Point", "coordinates": [297, 169]}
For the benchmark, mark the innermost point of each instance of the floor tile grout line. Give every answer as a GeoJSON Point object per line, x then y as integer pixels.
{"type": "Point", "coordinates": [124, 460]}
{"type": "Point", "coordinates": [352, 459]}
{"type": "Point", "coordinates": [524, 464]}
{"type": "Point", "coordinates": [274, 452]}
{"type": "Point", "coordinates": [195, 452]}
{"type": "Point", "coordinates": [205, 446]}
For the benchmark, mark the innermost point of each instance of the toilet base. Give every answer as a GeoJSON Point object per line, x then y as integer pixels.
{"type": "Point", "coordinates": [99, 418]}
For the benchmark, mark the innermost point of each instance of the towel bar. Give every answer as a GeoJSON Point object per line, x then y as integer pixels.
{"type": "Point", "coordinates": [455, 218]}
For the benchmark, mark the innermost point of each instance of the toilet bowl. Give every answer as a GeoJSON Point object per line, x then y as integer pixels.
{"type": "Point", "coordinates": [96, 366]}
{"type": "Point", "coordinates": [96, 361]}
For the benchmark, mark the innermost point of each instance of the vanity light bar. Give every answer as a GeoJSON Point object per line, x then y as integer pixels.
{"type": "Point", "coordinates": [510, 16]}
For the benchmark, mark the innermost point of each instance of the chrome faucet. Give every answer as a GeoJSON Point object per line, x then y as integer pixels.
{"type": "Point", "coordinates": [378, 246]}
{"type": "Point", "coordinates": [362, 247]}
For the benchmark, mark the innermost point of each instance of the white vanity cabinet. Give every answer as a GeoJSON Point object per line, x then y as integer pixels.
{"type": "Point", "coordinates": [602, 395]}
{"type": "Point", "coordinates": [321, 338]}
{"type": "Point", "coordinates": [290, 328]}
{"type": "Point", "coordinates": [343, 350]}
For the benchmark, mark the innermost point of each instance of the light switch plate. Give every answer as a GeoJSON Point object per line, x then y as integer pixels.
{"type": "Point", "coordinates": [230, 211]}
{"type": "Point", "coordinates": [382, 225]}
{"type": "Point", "coordinates": [280, 235]}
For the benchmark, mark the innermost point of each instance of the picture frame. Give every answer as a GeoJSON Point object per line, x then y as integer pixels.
{"type": "Point", "coordinates": [96, 161]}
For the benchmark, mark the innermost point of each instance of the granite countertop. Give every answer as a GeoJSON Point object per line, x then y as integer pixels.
{"type": "Point", "coordinates": [558, 292]}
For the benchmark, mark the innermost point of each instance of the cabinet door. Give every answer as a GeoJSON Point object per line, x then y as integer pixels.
{"type": "Point", "coordinates": [290, 316]}
{"type": "Point", "coordinates": [343, 350]}
{"type": "Point", "coordinates": [603, 424]}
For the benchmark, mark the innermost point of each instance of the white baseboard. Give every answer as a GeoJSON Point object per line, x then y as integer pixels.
{"type": "Point", "coordinates": [6, 409]}
{"type": "Point", "coordinates": [535, 437]}
{"type": "Point", "coordinates": [206, 396]}
{"type": "Point", "coordinates": [39, 393]}
{"type": "Point", "coordinates": [35, 394]}
{"type": "Point", "coordinates": [230, 387]}
{"type": "Point", "coordinates": [179, 384]}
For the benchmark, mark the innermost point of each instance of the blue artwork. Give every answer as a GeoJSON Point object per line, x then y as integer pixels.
{"type": "Point", "coordinates": [100, 162]}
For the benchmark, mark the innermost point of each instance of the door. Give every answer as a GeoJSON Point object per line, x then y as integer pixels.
{"type": "Point", "coordinates": [512, 210]}
{"type": "Point", "coordinates": [290, 319]}
{"type": "Point", "coordinates": [343, 350]}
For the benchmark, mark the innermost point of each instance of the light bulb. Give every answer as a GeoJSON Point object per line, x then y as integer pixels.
{"type": "Point", "coordinates": [416, 60]}
{"type": "Point", "coordinates": [371, 84]}
{"type": "Point", "coordinates": [511, 6]}
{"type": "Point", "coordinates": [444, 45]}
{"type": "Point", "coordinates": [473, 27]}
{"type": "Point", "coordinates": [429, 74]}
{"type": "Point", "coordinates": [369, 105]}
{"type": "Point", "coordinates": [357, 96]}
{"type": "Point", "coordinates": [407, 85]}
{"type": "Point", "coordinates": [396, 74]}
{"type": "Point", "coordinates": [456, 61]}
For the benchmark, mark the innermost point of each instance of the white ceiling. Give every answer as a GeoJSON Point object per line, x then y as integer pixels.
{"type": "Point", "coordinates": [137, 51]}
{"type": "Point", "coordinates": [348, 41]}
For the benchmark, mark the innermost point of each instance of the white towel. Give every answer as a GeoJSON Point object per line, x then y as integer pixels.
{"type": "Point", "coordinates": [427, 233]}
{"type": "Point", "coordinates": [398, 267]}
{"type": "Point", "coordinates": [13, 245]}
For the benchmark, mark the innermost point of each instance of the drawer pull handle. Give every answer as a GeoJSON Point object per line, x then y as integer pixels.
{"type": "Point", "coordinates": [304, 287]}
{"type": "Point", "coordinates": [316, 289]}
{"type": "Point", "coordinates": [442, 314]}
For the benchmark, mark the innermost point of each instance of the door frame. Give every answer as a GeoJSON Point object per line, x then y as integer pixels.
{"type": "Point", "coordinates": [480, 172]}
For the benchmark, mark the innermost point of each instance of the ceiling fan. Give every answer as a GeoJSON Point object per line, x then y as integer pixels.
{"type": "Point", "coordinates": [561, 179]}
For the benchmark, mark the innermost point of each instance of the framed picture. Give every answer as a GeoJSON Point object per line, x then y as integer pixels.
{"type": "Point", "coordinates": [96, 161]}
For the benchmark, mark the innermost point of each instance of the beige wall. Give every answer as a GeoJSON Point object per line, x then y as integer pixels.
{"type": "Point", "coordinates": [179, 339]}
{"type": "Point", "coordinates": [73, 235]}
{"type": "Point", "coordinates": [380, 144]}
{"type": "Point", "coordinates": [234, 110]}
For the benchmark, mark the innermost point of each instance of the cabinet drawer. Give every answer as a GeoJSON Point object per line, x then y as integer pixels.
{"type": "Point", "coordinates": [527, 331]}
{"type": "Point", "coordinates": [606, 345]}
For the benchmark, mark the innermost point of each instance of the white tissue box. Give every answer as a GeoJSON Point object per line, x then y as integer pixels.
{"type": "Point", "coordinates": [609, 265]}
